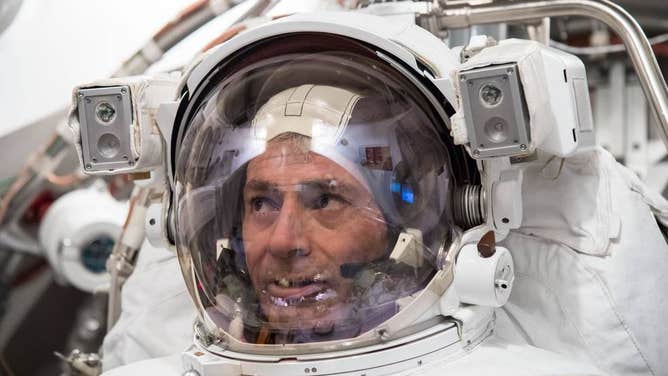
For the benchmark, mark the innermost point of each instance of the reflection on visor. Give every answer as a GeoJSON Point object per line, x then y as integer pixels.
{"type": "Point", "coordinates": [395, 187]}
{"type": "Point", "coordinates": [407, 194]}
{"type": "Point", "coordinates": [405, 191]}
{"type": "Point", "coordinates": [312, 207]}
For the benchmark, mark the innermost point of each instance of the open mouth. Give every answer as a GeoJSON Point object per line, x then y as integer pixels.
{"type": "Point", "coordinates": [289, 292]}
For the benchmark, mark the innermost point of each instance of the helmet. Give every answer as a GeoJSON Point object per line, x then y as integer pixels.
{"type": "Point", "coordinates": [313, 189]}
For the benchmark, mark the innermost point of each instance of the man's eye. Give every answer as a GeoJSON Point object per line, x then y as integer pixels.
{"type": "Point", "coordinates": [262, 205]}
{"type": "Point", "coordinates": [322, 201]}
{"type": "Point", "coordinates": [327, 201]}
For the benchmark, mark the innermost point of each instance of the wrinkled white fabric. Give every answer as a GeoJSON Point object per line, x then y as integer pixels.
{"type": "Point", "coordinates": [503, 353]}
{"type": "Point", "coordinates": [157, 315]}
{"type": "Point", "coordinates": [163, 366]}
{"type": "Point", "coordinates": [570, 201]}
{"type": "Point", "coordinates": [590, 264]}
{"type": "Point", "coordinates": [496, 356]}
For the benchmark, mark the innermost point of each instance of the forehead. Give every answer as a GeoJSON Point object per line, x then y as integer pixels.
{"type": "Point", "coordinates": [290, 162]}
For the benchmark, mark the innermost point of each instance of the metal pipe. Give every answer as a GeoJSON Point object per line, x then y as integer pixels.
{"type": "Point", "coordinates": [639, 48]}
{"type": "Point", "coordinates": [121, 262]}
{"type": "Point", "coordinates": [12, 239]}
{"type": "Point", "coordinates": [186, 23]}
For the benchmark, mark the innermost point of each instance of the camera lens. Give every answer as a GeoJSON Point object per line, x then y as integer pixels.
{"type": "Point", "coordinates": [105, 112]}
{"type": "Point", "coordinates": [490, 95]}
{"type": "Point", "coordinates": [496, 130]}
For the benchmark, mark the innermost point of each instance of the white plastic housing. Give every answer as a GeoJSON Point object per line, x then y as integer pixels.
{"type": "Point", "coordinates": [72, 223]}
{"type": "Point", "coordinates": [506, 200]}
{"type": "Point", "coordinates": [484, 281]}
{"type": "Point", "coordinates": [555, 91]}
{"type": "Point", "coordinates": [568, 93]}
{"type": "Point", "coordinates": [146, 141]}
{"type": "Point", "coordinates": [156, 226]}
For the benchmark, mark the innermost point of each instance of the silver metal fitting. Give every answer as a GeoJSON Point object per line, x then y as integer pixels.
{"type": "Point", "coordinates": [468, 206]}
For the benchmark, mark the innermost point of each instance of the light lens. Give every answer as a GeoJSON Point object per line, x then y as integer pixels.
{"type": "Point", "coordinates": [108, 145]}
{"type": "Point", "coordinates": [496, 130]}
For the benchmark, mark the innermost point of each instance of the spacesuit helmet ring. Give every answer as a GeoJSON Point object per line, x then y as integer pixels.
{"type": "Point", "coordinates": [313, 193]}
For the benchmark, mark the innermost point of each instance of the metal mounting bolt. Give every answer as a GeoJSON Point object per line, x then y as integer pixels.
{"type": "Point", "coordinates": [382, 334]}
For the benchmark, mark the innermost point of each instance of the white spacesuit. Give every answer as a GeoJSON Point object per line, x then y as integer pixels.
{"type": "Point", "coordinates": [337, 185]}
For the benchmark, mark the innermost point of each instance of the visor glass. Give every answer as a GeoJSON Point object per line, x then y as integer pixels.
{"type": "Point", "coordinates": [312, 193]}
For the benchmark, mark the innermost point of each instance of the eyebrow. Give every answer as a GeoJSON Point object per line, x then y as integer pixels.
{"type": "Point", "coordinates": [260, 185]}
{"type": "Point", "coordinates": [329, 185]}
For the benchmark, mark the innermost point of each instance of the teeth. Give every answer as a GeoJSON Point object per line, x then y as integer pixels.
{"type": "Point", "coordinates": [325, 295]}
{"type": "Point", "coordinates": [278, 301]}
{"type": "Point", "coordinates": [287, 302]}
{"type": "Point", "coordinates": [284, 282]}
{"type": "Point", "coordinates": [319, 300]}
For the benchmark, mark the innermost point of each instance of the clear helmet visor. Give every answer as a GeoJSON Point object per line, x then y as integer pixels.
{"type": "Point", "coordinates": [313, 195]}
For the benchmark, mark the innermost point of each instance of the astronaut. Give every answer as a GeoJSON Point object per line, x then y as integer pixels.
{"type": "Point", "coordinates": [337, 209]}
{"type": "Point", "coordinates": [296, 215]}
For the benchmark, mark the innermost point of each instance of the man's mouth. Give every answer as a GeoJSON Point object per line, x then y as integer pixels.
{"type": "Point", "coordinates": [294, 291]}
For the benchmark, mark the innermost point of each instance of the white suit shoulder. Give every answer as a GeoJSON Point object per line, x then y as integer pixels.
{"type": "Point", "coordinates": [498, 357]}
{"type": "Point", "coordinates": [155, 300]}
{"type": "Point", "coordinates": [167, 366]}
{"type": "Point", "coordinates": [590, 265]}
{"type": "Point", "coordinates": [493, 357]}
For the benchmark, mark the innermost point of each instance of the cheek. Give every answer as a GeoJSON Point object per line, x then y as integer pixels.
{"type": "Point", "coordinates": [253, 252]}
{"type": "Point", "coordinates": [370, 230]}
{"type": "Point", "coordinates": [374, 239]}
{"type": "Point", "coordinates": [357, 241]}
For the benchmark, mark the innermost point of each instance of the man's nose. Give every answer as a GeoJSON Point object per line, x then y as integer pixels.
{"type": "Point", "coordinates": [288, 234]}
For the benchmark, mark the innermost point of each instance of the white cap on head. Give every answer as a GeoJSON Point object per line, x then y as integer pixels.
{"type": "Point", "coordinates": [321, 113]}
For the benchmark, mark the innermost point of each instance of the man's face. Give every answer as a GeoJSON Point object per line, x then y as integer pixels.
{"type": "Point", "coordinates": [304, 217]}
